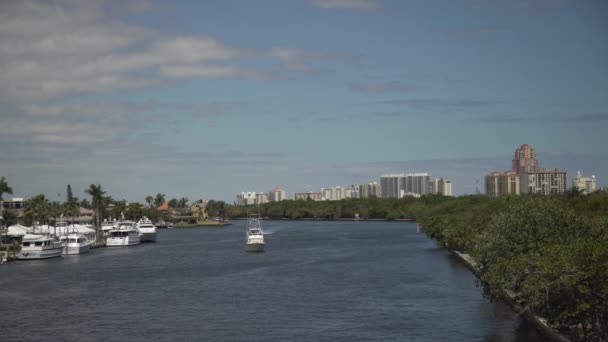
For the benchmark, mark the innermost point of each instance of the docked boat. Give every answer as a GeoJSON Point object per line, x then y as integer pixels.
{"type": "Point", "coordinates": [124, 234]}
{"type": "Point", "coordinates": [74, 242]}
{"type": "Point", "coordinates": [37, 246]}
{"type": "Point", "coordinates": [147, 230]}
{"type": "Point", "coordinates": [106, 226]}
{"type": "Point", "coordinates": [254, 234]}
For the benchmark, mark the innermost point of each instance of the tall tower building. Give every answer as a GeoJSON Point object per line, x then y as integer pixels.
{"type": "Point", "coordinates": [525, 159]}
{"type": "Point", "coordinates": [395, 185]}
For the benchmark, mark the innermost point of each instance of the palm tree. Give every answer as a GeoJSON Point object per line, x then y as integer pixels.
{"type": "Point", "coordinates": [4, 189]}
{"type": "Point", "coordinates": [149, 200]}
{"type": "Point", "coordinates": [183, 202]}
{"type": "Point", "coordinates": [97, 200]}
{"type": "Point", "coordinates": [38, 209]}
{"type": "Point", "coordinates": [159, 200]}
{"type": "Point", "coordinates": [55, 209]}
{"type": "Point", "coordinates": [71, 208]}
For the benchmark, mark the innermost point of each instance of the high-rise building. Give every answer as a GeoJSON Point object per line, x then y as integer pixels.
{"type": "Point", "coordinates": [261, 198]}
{"type": "Point", "coordinates": [315, 196]}
{"type": "Point", "coordinates": [525, 176]}
{"type": "Point", "coordinates": [543, 182]}
{"type": "Point", "coordinates": [440, 186]}
{"type": "Point", "coordinates": [395, 185]}
{"type": "Point", "coordinates": [444, 187]}
{"type": "Point", "coordinates": [277, 195]}
{"type": "Point", "coordinates": [586, 185]}
{"type": "Point", "coordinates": [525, 159]}
{"type": "Point", "coordinates": [336, 193]}
{"type": "Point", "coordinates": [246, 198]}
{"type": "Point", "coordinates": [503, 183]}
{"type": "Point", "coordinates": [369, 190]}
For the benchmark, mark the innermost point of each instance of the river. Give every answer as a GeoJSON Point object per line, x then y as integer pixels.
{"type": "Point", "coordinates": [317, 281]}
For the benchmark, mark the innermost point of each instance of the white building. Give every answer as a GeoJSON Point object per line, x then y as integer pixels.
{"type": "Point", "coordinates": [586, 185]}
{"type": "Point", "coordinates": [246, 198]}
{"type": "Point", "coordinates": [543, 182]}
{"type": "Point", "coordinates": [391, 186]}
{"type": "Point", "coordinates": [277, 195]}
{"type": "Point", "coordinates": [441, 186]}
{"type": "Point", "coordinates": [336, 193]}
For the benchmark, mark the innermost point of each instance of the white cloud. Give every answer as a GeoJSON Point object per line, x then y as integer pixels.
{"type": "Point", "coordinates": [347, 4]}
{"type": "Point", "coordinates": [190, 71]}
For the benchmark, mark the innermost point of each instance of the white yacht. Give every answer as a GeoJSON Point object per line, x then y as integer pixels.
{"type": "Point", "coordinates": [74, 242]}
{"type": "Point", "coordinates": [254, 234]}
{"type": "Point", "coordinates": [124, 234]}
{"type": "Point", "coordinates": [147, 230]}
{"type": "Point", "coordinates": [36, 246]}
{"type": "Point", "coordinates": [106, 226]}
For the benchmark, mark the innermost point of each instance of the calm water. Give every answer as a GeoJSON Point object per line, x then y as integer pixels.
{"type": "Point", "coordinates": [317, 281]}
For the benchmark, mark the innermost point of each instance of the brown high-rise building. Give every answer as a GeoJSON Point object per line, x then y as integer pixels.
{"type": "Point", "coordinates": [503, 183]}
{"type": "Point", "coordinates": [525, 176]}
{"type": "Point", "coordinates": [525, 160]}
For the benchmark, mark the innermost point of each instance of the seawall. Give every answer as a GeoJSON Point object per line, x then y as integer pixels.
{"type": "Point", "coordinates": [509, 298]}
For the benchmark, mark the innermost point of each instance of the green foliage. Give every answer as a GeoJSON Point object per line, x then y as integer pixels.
{"type": "Point", "coordinates": [159, 199]}
{"type": "Point", "coordinates": [98, 201]}
{"type": "Point", "coordinates": [10, 218]}
{"type": "Point", "coordinates": [4, 188]}
{"type": "Point", "coordinates": [37, 210]}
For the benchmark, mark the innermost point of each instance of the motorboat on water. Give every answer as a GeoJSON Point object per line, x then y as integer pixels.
{"type": "Point", "coordinates": [254, 234]}
{"type": "Point", "coordinates": [74, 242]}
{"type": "Point", "coordinates": [38, 246]}
{"type": "Point", "coordinates": [147, 230]}
{"type": "Point", "coordinates": [124, 234]}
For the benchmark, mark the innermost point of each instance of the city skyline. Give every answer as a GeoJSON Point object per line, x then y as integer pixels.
{"type": "Point", "coordinates": [205, 99]}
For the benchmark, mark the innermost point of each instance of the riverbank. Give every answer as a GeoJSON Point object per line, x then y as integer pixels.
{"type": "Point", "coordinates": [323, 219]}
{"type": "Point", "coordinates": [511, 299]}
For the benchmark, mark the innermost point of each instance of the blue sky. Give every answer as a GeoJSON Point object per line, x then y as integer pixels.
{"type": "Point", "coordinates": [204, 99]}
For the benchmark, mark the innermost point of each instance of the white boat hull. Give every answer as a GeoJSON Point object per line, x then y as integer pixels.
{"type": "Point", "coordinates": [76, 249]}
{"type": "Point", "coordinates": [37, 254]}
{"type": "Point", "coordinates": [254, 247]}
{"type": "Point", "coordinates": [122, 241]}
{"type": "Point", "coordinates": [147, 237]}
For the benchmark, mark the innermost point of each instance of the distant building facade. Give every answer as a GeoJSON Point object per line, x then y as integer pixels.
{"type": "Point", "coordinates": [525, 176]}
{"type": "Point", "coordinates": [502, 183]}
{"type": "Point", "coordinates": [525, 160]}
{"type": "Point", "coordinates": [444, 187]}
{"type": "Point", "coordinates": [395, 185]}
{"type": "Point", "coordinates": [336, 193]}
{"type": "Point", "coordinates": [261, 198]}
{"type": "Point", "coordinates": [544, 182]}
{"type": "Point", "coordinates": [369, 190]}
{"type": "Point", "coordinates": [16, 203]}
{"type": "Point", "coordinates": [199, 210]}
{"type": "Point", "coordinates": [586, 185]}
{"type": "Point", "coordinates": [277, 195]}
{"type": "Point", "coordinates": [246, 198]}
{"type": "Point", "coordinates": [440, 186]}
{"type": "Point", "coordinates": [315, 196]}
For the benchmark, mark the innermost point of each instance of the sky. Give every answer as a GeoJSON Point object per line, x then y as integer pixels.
{"type": "Point", "coordinates": [205, 99]}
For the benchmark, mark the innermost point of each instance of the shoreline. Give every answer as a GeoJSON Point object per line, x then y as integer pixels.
{"type": "Point", "coordinates": [539, 323]}
{"type": "Point", "coordinates": [322, 219]}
